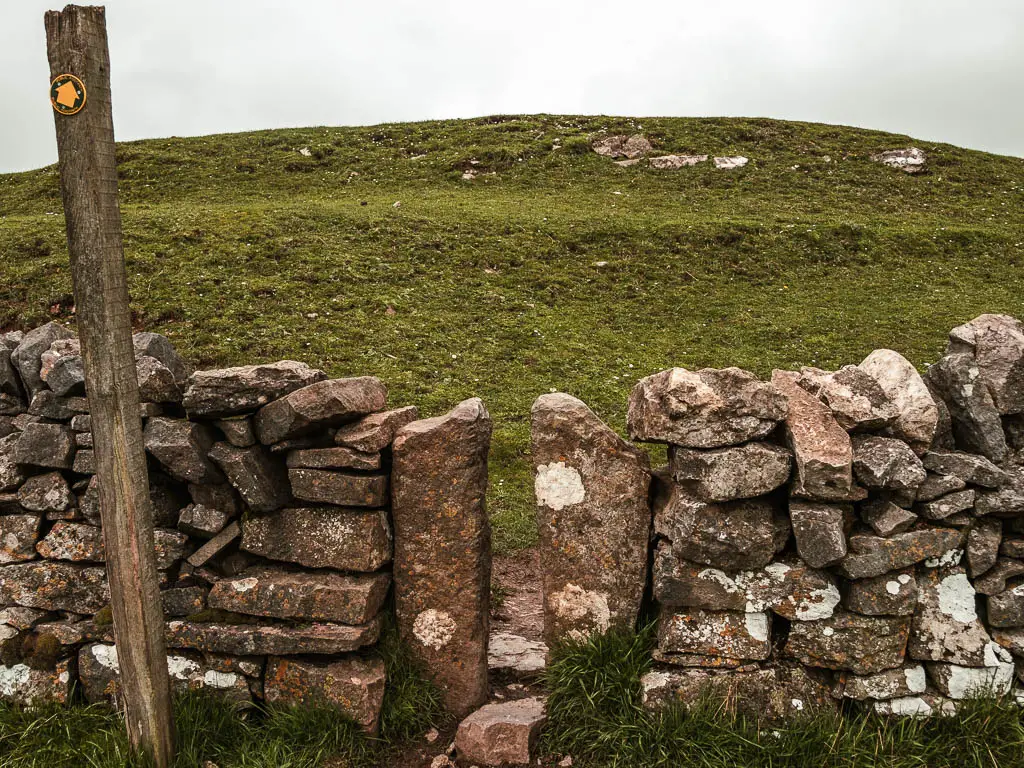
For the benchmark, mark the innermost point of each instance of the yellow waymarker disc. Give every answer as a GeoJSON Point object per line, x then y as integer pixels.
{"type": "Point", "coordinates": [67, 94]}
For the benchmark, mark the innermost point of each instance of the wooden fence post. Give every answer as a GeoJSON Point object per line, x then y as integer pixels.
{"type": "Point", "coordinates": [76, 41]}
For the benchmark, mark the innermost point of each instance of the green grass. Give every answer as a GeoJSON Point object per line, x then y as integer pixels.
{"type": "Point", "coordinates": [240, 248]}
{"type": "Point", "coordinates": [211, 729]}
{"type": "Point", "coordinates": [595, 715]}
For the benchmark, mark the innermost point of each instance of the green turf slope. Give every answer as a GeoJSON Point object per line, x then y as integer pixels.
{"type": "Point", "coordinates": [553, 269]}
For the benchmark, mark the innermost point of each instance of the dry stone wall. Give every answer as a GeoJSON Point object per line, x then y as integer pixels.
{"type": "Point", "coordinates": [825, 536]}
{"type": "Point", "coordinates": [271, 496]}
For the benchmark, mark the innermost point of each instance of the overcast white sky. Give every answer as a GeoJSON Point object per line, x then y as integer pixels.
{"type": "Point", "coordinates": [937, 69]}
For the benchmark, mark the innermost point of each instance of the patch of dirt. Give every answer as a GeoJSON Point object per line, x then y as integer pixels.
{"type": "Point", "coordinates": [518, 595]}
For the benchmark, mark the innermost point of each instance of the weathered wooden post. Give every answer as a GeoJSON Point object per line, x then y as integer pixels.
{"type": "Point", "coordinates": [76, 41]}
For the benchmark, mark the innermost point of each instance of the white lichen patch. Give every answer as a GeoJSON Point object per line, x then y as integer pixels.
{"type": "Point", "coordinates": [757, 626]}
{"type": "Point", "coordinates": [892, 587]}
{"type": "Point", "coordinates": [215, 679]}
{"type": "Point", "coordinates": [575, 605]}
{"type": "Point", "coordinates": [106, 656]}
{"type": "Point", "coordinates": [917, 680]}
{"type": "Point", "coordinates": [957, 598]}
{"type": "Point", "coordinates": [819, 604]}
{"type": "Point", "coordinates": [721, 578]}
{"type": "Point", "coordinates": [14, 680]}
{"type": "Point", "coordinates": [181, 668]}
{"type": "Point", "coordinates": [828, 631]}
{"type": "Point", "coordinates": [558, 486]}
{"type": "Point", "coordinates": [969, 682]}
{"type": "Point", "coordinates": [797, 704]}
{"type": "Point", "coordinates": [950, 558]}
{"type": "Point", "coordinates": [908, 706]}
{"type": "Point", "coordinates": [435, 629]}
{"type": "Point", "coordinates": [996, 655]}
{"type": "Point", "coordinates": [903, 578]}
{"type": "Point", "coordinates": [244, 585]}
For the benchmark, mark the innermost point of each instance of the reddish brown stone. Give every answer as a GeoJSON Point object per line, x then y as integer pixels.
{"type": "Point", "coordinates": [502, 733]}
{"type": "Point", "coordinates": [315, 596]}
{"type": "Point", "coordinates": [262, 640]}
{"type": "Point", "coordinates": [324, 404]}
{"type": "Point", "coordinates": [375, 432]}
{"type": "Point", "coordinates": [591, 488]}
{"type": "Point", "coordinates": [230, 391]}
{"type": "Point", "coordinates": [334, 458]}
{"type": "Point", "coordinates": [443, 548]}
{"type": "Point", "coordinates": [342, 489]}
{"type": "Point", "coordinates": [259, 479]}
{"type": "Point", "coordinates": [354, 686]}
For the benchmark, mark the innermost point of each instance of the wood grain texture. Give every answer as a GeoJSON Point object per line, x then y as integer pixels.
{"type": "Point", "coordinates": [77, 43]}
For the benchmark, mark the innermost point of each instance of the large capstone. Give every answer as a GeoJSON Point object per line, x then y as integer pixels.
{"type": "Point", "coordinates": [863, 645]}
{"type": "Point", "coordinates": [738, 535]}
{"type": "Point", "coordinates": [855, 398]}
{"type": "Point", "coordinates": [822, 449]}
{"type": "Point", "coordinates": [884, 463]}
{"type": "Point", "coordinates": [976, 423]}
{"type": "Point", "coordinates": [353, 685]}
{"type": "Point", "coordinates": [324, 404]}
{"type": "Point", "coordinates": [709, 408]}
{"type": "Point", "coordinates": [737, 472]}
{"type": "Point", "coordinates": [917, 416]}
{"type": "Point", "coordinates": [302, 595]}
{"type": "Point", "coordinates": [230, 391]}
{"type": "Point", "coordinates": [443, 545]}
{"type": "Point", "coordinates": [321, 537]}
{"type": "Point", "coordinates": [591, 488]}
{"type": "Point", "coordinates": [997, 344]}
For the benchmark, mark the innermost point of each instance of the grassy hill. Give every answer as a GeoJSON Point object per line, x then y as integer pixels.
{"type": "Point", "coordinates": [552, 269]}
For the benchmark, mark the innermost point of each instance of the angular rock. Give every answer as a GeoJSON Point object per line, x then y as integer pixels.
{"type": "Point", "coordinates": [321, 596]}
{"type": "Point", "coordinates": [22, 685]}
{"type": "Point", "coordinates": [78, 542]}
{"type": "Point", "coordinates": [10, 384]}
{"type": "Point", "coordinates": [886, 518]}
{"type": "Point", "coordinates": [238, 431]}
{"type": "Point", "coordinates": [629, 147]}
{"type": "Point", "coordinates": [375, 432]}
{"type": "Point", "coordinates": [439, 484]}
{"type": "Point", "coordinates": [183, 601]}
{"type": "Point", "coordinates": [333, 458]}
{"type": "Point", "coordinates": [501, 733]}
{"type": "Point", "coordinates": [54, 586]}
{"type": "Point", "coordinates": [983, 546]}
{"type": "Point", "coordinates": [201, 521]}
{"type": "Point", "coordinates": [156, 382]}
{"type": "Point", "coordinates": [260, 480]}
{"type": "Point", "coordinates": [994, 581]}
{"type": "Point", "coordinates": [342, 489]}
{"type": "Point", "coordinates": [789, 589]}
{"type": "Point", "coordinates": [591, 488]}
{"type": "Point", "coordinates": [222, 497]}
{"type": "Point", "coordinates": [948, 505]}
{"type": "Point", "coordinates": [47, 405]}
{"type": "Point", "coordinates": [892, 594]}
{"type": "Point", "coordinates": [46, 445]}
{"type": "Point", "coordinates": [863, 645]}
{"type": "Point", "coordinates": [230, 391]}
{"type": "Point", "coordinates": [62, 368]}
{"type": "Point", "coordinates": [917, 415]}
{"type": "Point", "coordinates": [969, 467]}
{"type": "Point", "coordinates": [214, 546]}
{"type": "Point", "coordinates": [275, 640]}
{"type": "Point", "coordinates": [18, 536]}
{"type": "Point", "coordinates": [732, 634]}
{"type": "Point", "coordinates": [154, 345]}
{"type": "Point", "coordinates": [1012, 547]}
{"type": "Point", "coordinates": [1006, 609]}
{"type": "Point", "coordinates": [946, 626]}
{"type": "Point", "coordinates": [27, 356]}
{"type": "Point", "coordinates": [997, 345]}
{"type": "Point", "coordinates": [910, 160]}
{"type": "Point", "coordinates": [515, 655]}
{"type": "Point", "coordinates": [1007, 501]}
{"type": "Point", "coordinates": [822, 449]}
{"type": "Point", "coordinates": [773, 695]}
{"type": "Point", "coordinates": [11, 475]}
{"type": "Point", "coordinates": [46, 493]}
{"type": "Point", "coordinates": [819, 529]}
{"type": "Point", "coordinates": [976, 423]}
{"type": "Point", "coordinates": [936, 485]}
{"type": "Point", "coordinates": [85, 461]}
{"type": "Point", "coordinates": [958, 682]}
{"type": "Point", "coordinates": [323, 404]}
{"type": "Point", "coordinates": [710, 408]}
{"type": "Point", "coordinates": [725, 474]}
{"type": "Point", "coordinates": [181, 447]}
{"type": "Point", "coordinates": [873, 556]}
{"type": "Point", "coordinates": [928, 704]}
{"type": "Point", "coordinates": [321, 537]}
{"type": "Point", "coordinates": [100, 674]}
{"type": "Point", "coordinates": [908, 680]}
{"type": "Point", "coordinates": [738, 535]}
{"type": "Point", "coordinates": [856, 399]}
{"type": "Point", "coordinates": [353, 685]}
{"type": "Point", "coordinates": [886, 463]}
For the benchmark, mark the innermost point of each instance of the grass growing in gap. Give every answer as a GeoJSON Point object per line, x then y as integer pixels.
{"type": "Point", "coordinates": [595, 715]}
{"type": "Point", "coordinates": [211, 729]}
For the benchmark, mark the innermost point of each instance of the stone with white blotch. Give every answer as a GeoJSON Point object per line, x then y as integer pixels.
{"type": "Point", "coordinates": [958, 682]}
{"type": "Point", "coordinates": [909, 160]}
{"type": "Point", "coordinates": [516, 655]}
{"type": "Point", "coordinates": [100, 674]}
{"type": "Point", "coordinates": [863, 645]}
{"type": "Point", "coordinates": [928, 704]}
{"type": "Point", "coordinates": [855, 398]}
{"type": "Point", "coordinates": [997, 343]}
{"type": "Point", "coordinates": [592, 491]}
{"type": "Point", "coordinates": [23, 685]}
{"type": "Point", "coordinates": [908, 680]}
{"type": "Point", "coordinates": [788, 588]}
{"type": "Point", "coordinates": [891, 594]}
{"type": "Point", "coordinates": [946, 626]}
{"type": "Point", "coordinates": [731, 634]}
{"type": "Point", "coordinates": [916, 415]}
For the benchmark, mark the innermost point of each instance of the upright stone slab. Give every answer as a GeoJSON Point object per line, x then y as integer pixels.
{"type": "Point", "coordinates": [997, 344]}
{"type": "Point", "coordinates": [594, 519]}
{"type": "Point", "coordinates": [442, 568]}
{"type": "Point", "coordinates": [976, 423]}
{"type": "Point", "coordinates": [917, 415]}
